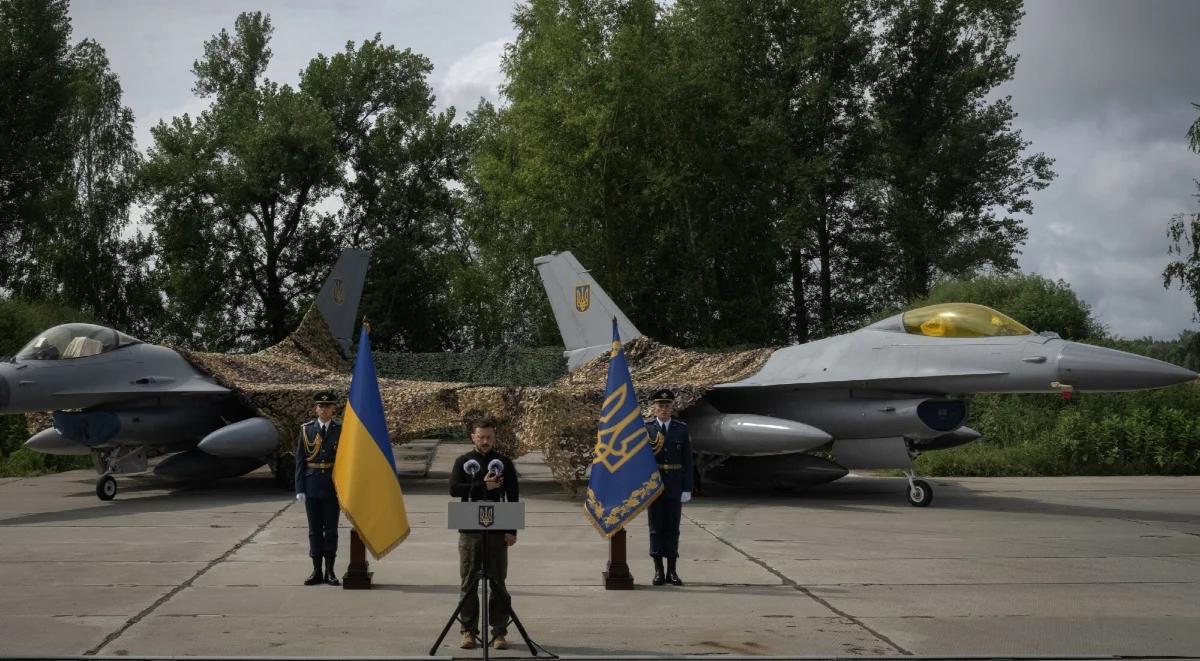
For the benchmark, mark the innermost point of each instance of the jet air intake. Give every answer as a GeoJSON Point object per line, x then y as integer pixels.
{"type": "Point", "coordinates": [746, 434]}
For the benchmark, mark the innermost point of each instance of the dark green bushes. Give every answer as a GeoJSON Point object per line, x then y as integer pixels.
{"type": "Point", "coordinates": [1153, 433]}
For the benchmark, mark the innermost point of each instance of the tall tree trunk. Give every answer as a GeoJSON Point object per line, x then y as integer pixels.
{"type": "Point", "coordinates": [823, 251]}
{"type": "Point", "coordinates": [799, 273]}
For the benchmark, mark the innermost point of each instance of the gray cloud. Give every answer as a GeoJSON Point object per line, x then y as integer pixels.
{"type": "Point", "coordinates": [1106, 89]}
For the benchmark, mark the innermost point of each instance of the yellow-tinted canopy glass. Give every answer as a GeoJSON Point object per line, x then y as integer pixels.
{"type": "Point", "coordinates": [961, 320]}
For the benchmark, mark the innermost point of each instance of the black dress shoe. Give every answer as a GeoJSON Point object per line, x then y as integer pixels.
{"type": "Point", "coordinates": [673, 579]}
{"type": "Point", "coordinates": [313, 578]}
{"type": "Point", "coordinates": [331, 578]}
{"type": "Point", "coordinates": [658, 579]}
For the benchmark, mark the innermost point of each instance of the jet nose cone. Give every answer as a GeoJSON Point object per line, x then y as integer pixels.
{"type": "Point", "coordinates": [1088, 367]}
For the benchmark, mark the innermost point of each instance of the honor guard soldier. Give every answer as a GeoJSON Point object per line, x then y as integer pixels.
{"type": "Point", "coordinates": [315, 454]}
{"type": "Point", "coordinates": [673, 451]}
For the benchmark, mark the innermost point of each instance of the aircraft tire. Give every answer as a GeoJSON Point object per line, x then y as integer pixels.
{"type": "Point", "coordinates": [106, 487]}
{"type": "Point", "coordinates": [920, 494]}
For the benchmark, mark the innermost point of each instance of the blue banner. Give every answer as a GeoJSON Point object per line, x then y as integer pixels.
{"type": "Point", "coordinates": [625, 477]}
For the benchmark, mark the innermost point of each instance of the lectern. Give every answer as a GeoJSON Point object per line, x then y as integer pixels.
{"type": "Point", "coordinates": [486, 517]}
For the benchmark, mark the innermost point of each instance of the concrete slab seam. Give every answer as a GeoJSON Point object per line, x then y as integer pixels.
{"type": "Point", "coordinates": [186, 584]}
{"type": "Point", "coordinates": [800, 588]}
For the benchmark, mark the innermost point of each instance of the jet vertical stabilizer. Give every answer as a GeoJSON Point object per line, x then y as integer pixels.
{"type": "Point", "coordinates": [582, 309]}
{"type": "Point", "coordinates": [338, 300]}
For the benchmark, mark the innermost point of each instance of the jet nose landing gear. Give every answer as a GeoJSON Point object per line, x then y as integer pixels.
{"type": "Point", "coordinates": [920, 493]}
{"type": "Point", "coordinates": [121, 460]}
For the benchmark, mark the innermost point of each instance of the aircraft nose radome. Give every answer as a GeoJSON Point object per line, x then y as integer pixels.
{"type": "Point", "coordinates": [1088, 367]}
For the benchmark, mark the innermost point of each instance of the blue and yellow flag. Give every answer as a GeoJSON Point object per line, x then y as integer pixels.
{"type": "Point", "coordinates": [364, 472]}
{"type": "Point", "coordinates": [625, 478]}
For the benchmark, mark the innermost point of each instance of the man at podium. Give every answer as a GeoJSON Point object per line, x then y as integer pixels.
{"type": "Point", "coordinates": [484, 474]}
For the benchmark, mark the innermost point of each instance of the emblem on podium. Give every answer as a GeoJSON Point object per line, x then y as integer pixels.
{"type": "Point", "coordinates": [487, 515]}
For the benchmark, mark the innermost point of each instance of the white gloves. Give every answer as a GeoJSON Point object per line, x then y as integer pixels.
{"type": "Point", "coordinates": [300, 497]}
{"type": "Point", "coordinates": [685, 496]}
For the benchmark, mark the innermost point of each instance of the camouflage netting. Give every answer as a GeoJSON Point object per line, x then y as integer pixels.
{"type": "Point", "coordinates": [558, 419]}
{"type": "Point", "coordinates": [576, 399]}
{"type": "Point", "coordinates": [510, 366]}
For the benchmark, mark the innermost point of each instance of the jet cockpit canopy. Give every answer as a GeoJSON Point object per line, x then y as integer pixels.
{"type": "Point", "coordinates": [961, 320]}
{"type": "Point", "coordinates": [74, 341]}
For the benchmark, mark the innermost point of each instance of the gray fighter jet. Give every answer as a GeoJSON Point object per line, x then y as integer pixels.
{"type": "Point", "coordinates": [124, 401]}
{"type": "Point", "coordinates": [876, 397]}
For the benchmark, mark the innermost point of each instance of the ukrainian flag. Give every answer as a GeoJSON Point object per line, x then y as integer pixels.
{"type": "Point", "coordinates": [625, 477]}
{"type": "Point", "coordinates": [364, 472]}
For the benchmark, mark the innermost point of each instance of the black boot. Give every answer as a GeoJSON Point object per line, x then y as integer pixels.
{"type": "Point", "coordinates": [672, 577]}
{"type": "Point", "coordinates": [315, 577]}
{"type": "Point", "coordinates": [658, 571]}
{"type": "Point", "coordinates": [330, 577]}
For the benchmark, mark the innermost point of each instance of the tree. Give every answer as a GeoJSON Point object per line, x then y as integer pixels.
{"type": "Point", "coordinates": [1184, 234]}
{"type": "Point", "coordinates": [618, 144]}
{"type": "Point", "coordinates": [953, 166]}
{"type": "Point", "coordinates": [252, 200]}
{"type": "Point", "coordinates": [1037, 302]}
{"type": "Point", "coordinates": [398, 201]}
{"type": "Point", "coordinates": [66, 177]}
{"type": "Point", "coordinates": [35, 74]}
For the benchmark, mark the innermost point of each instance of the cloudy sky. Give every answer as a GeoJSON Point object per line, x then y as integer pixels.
{"type": "Point", "coordinates": [1103, 86]}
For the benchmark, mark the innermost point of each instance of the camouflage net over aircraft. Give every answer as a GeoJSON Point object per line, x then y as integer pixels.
{"type": "Point", "coordinates": [558, 419]}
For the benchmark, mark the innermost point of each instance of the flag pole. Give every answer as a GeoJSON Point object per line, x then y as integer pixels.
{"type": "Point", "coordinates": [358, 574]}
{"type": "Point", "coordinates": [617, 576]}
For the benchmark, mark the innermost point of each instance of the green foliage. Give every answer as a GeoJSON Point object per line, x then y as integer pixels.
{"type": "Point", "coordinates": [21, 321]}
{"type": "Point", "coordinates": [240, 195]}
{"type": "Point", "coordinates": [1183, 230]}
{"type": "Point", "coordinates": [1152, 432]}
{"type": "Point", "coordinates": [67, 173]}
{"type": "Point", "coordinates": [35, 75]}
{"type": "Point", "coordinates": [750, 171]}
{"type": "Point", "coordinates": [19, 461]}
{"type": "Point", "coordinates": [1037, 302]}
{"type": "Point", "coordinates": [955, 170]}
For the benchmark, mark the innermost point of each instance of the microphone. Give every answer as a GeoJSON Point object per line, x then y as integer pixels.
{"type": "Point", "coordinates": [471, 466]}
{"type": "Point", "coordinates": [495, 467]}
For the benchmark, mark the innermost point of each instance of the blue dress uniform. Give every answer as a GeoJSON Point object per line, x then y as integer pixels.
{"type": "Point", "coordinates": [673, 451]}
{"type": "Point", "coordinates": [314, 478]}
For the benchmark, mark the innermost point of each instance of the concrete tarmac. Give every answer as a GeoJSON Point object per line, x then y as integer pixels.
{"type": "Point", "coordinates": [1018, 567]}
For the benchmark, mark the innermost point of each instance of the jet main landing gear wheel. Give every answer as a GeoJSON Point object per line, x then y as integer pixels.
{"type": "Point", "coordinates": [106, 487]}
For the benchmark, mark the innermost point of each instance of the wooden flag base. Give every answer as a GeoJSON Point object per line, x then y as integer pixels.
{"type": "Point", "coordinates": [617, 576]}
{"type": "Point", "coordinates": [357, 577]}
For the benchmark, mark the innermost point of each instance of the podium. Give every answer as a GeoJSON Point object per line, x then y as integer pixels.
{"type": "Point", "coordinates": [486, 517]}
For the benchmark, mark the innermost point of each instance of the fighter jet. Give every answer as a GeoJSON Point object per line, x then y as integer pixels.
{"type": "Point", "coordinates": [875, 398]}
{"type": "Point", "coordinates": [124, 401]}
